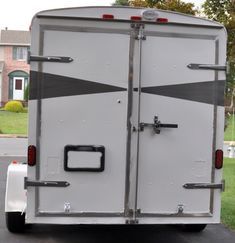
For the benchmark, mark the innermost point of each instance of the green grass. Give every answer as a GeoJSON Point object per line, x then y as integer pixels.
{"type": "Point", "coordinates": [229, 135]}
{"type": "Point", "coordinates": [228, 197]}
{"type": "Point", "coordinates": [13, 123]}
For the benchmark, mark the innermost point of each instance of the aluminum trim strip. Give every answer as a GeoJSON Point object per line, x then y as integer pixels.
{"type": "Point", "coordinates": [129, 125]}
{"type": "Point", "coordinates": [214, 125]}
{"type": "Point", "coordinates": [129, 21]}
{"type": "Point", "coordinates": [179, 35]}
{"type": "Point", "coordinates": [140, 39]}
{"type": "Point", "coordinates": [38, 119]}
{"type": "Point", "coordinates": [86, 29]}
{"type": "Point", "coordinates": [78, 214]}
{"type": "Point", "coordinates": [182, 215]}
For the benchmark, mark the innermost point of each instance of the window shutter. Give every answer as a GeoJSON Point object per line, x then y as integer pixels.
{"type": "Point", "coordinates": [14, 53]}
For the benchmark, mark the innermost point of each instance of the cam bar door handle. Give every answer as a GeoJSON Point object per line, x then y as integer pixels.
{"type": "Point", "coordinates": [156, 125]}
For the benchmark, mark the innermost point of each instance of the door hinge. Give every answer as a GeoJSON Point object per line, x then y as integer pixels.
{"type": "Point", "coordinates": [133, 214]}
{"type": "Point", "coordinates": [196, 66]}
{"type": "Point", "coordinates": [139, 33]}
{"type": "Point", "coordinates": [132, 221]}
{"type": "Point", "coordinates": [28, 183]}
{"type": "Point", "coordinates": [220, 186]}
{"type": "Point", "coordinates": [50, 59]}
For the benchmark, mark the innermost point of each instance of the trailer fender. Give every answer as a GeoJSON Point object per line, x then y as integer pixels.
{"type": "Point", "coordinates": [15, 198]}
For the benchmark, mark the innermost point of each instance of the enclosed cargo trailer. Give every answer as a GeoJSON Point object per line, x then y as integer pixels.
{"type": "Point", "coordinates": [126, 119]}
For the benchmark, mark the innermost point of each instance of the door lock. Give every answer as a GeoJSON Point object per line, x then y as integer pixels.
{"type": "Point", "coordinates": [157, 125]}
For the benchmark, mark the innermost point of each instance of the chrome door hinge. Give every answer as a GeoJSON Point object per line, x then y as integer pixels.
{"type": "Point", "coordinates": [28, 183]}
{"type": "Point", "coordinates": [132, 221]}
{"type": "Point", "coordinates": [215, 67]}
{"type": "Point", "coordinates": [33, 58]}
{"type": "Point", "coordinates": [132, 216]}
{"type": "Point", "coordinates": [220, 186]}
{"type": "Point", "coordinates": [139, 33]}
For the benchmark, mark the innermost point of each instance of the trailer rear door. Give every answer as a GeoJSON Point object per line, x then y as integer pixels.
{"type": "Point", "coordinates": [82, 121]}
{"type": "Point", "coordinates": [183, 100]}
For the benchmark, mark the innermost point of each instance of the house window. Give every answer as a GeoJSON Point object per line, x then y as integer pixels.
{"type": "Point", "coordinates": [20, 53]}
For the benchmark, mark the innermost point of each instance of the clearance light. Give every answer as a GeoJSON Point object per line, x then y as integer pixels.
{"type": "Point", "coordinates": [218, 159]}
{"type": "Point", "coordinates": [136, 18]}
{"type": "Point", "coordinates": [150, 14]}
{"type": "Point", "coordinates": [31, 155]}
{"type": "Point", "coordinates": [162, 20]}
{"type": "Point", "coordinates": [14, 162]}
{"type": "Point", "coordinates": [108, 16]}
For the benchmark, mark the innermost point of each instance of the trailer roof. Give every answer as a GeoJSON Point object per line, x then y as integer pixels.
{"type": "Point", "coordinates": [124, 14]}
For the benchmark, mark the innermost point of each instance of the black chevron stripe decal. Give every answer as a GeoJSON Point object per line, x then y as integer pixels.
{"type": "Point", "coordinates": [56, 86]}
{"type": "Point", "coordinates": [210, 92]}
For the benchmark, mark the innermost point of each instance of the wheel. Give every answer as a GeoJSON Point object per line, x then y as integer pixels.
{"type": "Point", "coordinates": [15, 222]}
{"type": "Point", "coordinates": [194, 227]}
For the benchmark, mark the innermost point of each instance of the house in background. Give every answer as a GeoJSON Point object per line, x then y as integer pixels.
{"type": "Point", "coordinates": [14, 70]}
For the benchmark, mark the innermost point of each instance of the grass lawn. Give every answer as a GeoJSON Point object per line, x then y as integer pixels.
{"type": "Point", "coordinates": [13, 123]}
{"type": "Point", "coordinates": [228, 135]}
{"type": "Point", "coordinates": [228, 197]}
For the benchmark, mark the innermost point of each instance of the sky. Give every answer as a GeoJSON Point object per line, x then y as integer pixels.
{"type": "Point", "coordinates": [17, 15]}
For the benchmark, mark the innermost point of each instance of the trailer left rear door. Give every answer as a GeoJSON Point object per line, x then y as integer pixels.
{"type": "Point", "coordinates": [82, 119]}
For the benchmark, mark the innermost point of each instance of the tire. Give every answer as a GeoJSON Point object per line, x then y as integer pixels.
{"type": "Point", "coordinates": [15, 222]}
{"type": "Point", "coordinates": [194, 227]}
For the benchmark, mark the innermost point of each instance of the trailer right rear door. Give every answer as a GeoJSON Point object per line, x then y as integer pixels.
{"type": "Point", "coordinates": [188, 102]}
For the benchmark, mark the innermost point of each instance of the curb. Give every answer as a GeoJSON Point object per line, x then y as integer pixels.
{"type": "Point", "coordinates": [12, 136]}
{"type": "Point", "coordinates": [232, 143]}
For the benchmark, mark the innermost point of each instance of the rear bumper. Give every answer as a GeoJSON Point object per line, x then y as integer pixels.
{"type": "Point", "coordinates": [120, 220]}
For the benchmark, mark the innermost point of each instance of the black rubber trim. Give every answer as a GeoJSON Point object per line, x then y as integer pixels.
{"type": "Point", "coordinates": [82, 148]}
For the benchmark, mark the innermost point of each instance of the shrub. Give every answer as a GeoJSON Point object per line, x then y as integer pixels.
{"type": "Point", "coordinates": [14, 106]}
{"type": "Point", "coordinates": [26, 93]}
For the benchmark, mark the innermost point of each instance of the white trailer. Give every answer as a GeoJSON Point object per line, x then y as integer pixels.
{"type": "Point", "coordinates": [126, 119]}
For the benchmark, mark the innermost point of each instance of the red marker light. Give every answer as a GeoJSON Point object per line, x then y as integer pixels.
{"type": "Point", "coordinates": [218, 159]}
{"type": "Point", "coordinates": [108, 16]}
{"type": "Point", "coordinates": [136, 18]}
{"type": "Point", "coordinates": [31, 155]}
{"type": "Point", "coordinates": [162, 20]}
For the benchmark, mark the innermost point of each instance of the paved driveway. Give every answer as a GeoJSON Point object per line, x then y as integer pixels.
{"type": "Point", "coordinates": [105, 234]}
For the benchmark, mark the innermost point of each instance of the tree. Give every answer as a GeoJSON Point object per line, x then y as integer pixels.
{"type": "Point", "coordinates": [217, 10]}
{"type": "Point", "coordinates": [145, 3]}
{"type": "Point", "coordinates": [223, 11]}
{"type": "Point", "coordinates": [121, 3]}
{"type": "Point", "coordinates": [173, 5]}
{"type": "Point", "coordinates": [178, 6]}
